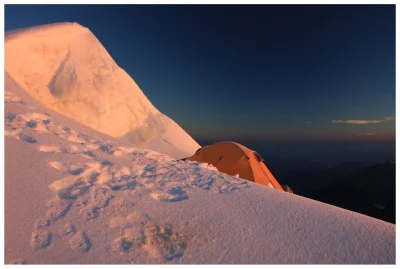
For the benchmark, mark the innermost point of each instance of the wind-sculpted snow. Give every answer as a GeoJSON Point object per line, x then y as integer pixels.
{"type": "Point", "coordinates": [67, 69]}
{"type": "Point", "coordinates": [147, 168]}
{"type": "Point", "coordinates": [74, 195]}
{"type": "Point", "coordinates": [90, 187]}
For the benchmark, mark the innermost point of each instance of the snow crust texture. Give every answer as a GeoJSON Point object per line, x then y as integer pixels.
{"type": "Point", "coordinates": [95, 185]}
{"type": "Point", "coordinates": [91, 186]}
{"type": "Point", "coordinates": [67, 69]}
{"type": "Point", "coordinates": [75, 195]}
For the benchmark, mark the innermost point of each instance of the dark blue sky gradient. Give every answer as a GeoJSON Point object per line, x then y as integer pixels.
{"type": "Point", "coordinates": [250, 72]}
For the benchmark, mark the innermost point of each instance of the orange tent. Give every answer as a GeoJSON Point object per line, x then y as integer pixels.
{"type": "Point", "coordinates": [232, 158]}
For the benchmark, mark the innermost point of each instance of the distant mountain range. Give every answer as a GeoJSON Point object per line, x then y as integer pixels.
{"type": "Point", "coordinates": [366, 189]}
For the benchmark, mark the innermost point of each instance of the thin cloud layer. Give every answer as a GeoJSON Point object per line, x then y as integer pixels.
{"type": "Point", "coordinates": [389, 118]}
{"type": "Point", "coordinates": [357, 121]}
{"type": "Point", "coordinates": [363, 121]}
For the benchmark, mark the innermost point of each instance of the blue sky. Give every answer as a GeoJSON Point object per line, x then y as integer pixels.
{"type": "Point", "coordinates": [266, 73]}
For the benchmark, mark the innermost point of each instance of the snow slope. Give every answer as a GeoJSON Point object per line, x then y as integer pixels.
{"type": "Point", "coordinates": [67, 69]}
{"type": "Point", "coordinates": [75, 195]}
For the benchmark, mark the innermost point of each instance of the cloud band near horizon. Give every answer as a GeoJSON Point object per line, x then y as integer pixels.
{"type": "Point", "coordinates": [363, 121]}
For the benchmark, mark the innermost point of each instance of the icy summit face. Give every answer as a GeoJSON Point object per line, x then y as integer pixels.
{"type": "Point", "coordinates": [67, 69]}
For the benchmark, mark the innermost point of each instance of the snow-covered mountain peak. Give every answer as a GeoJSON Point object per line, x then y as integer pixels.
{"type": "Point", "coordinates": [75, 195]}
{"type": "Point", "coordinates": [53, 29]}
{"type": "Point", "coordinates": [66, 68]}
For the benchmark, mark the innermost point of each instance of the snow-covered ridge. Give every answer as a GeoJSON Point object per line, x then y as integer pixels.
{"type": "Point", "coordinates": [74, 195]}
{"type": "Point", "coordinates": [60, 28]}
{"type": "Point", "coordinates": [67, 69]}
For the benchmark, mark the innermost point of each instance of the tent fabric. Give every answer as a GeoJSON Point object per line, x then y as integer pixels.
{"type": "Point", "coordinates": [232, 158]}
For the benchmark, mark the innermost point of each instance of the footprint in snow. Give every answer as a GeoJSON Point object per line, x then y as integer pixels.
{"type": "Point", "coordinates": [67, 230]}
{"type": "Point", "coordinates": [27, 138]}
{"type": "Point", "coordinates": [40, 239]}
{"type": "Point", "coordinates": [72, 186]}
{"type": "Point", "coordinates": [77, 239]}
{"type": "Point", "coordinates": [107, 148]}
{"type": "Point", "coordinates": [161, 241]}
{"type": "Point", "coordinates": [41, 224]}
{"type": "Point", "coordinates": [100, 197]}
{"type": "Point", "coordinates": [90, 213]}
{"type": "Point", "coordinates": [38, 126]}
{"type": "Point", "coordinates": [57, 209]}
{"type": "Point", "coordinates": [9, 116]}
